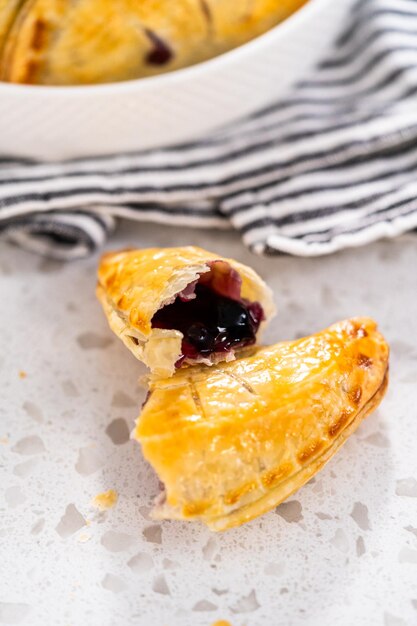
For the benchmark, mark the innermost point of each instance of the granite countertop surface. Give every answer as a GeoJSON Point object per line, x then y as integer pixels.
{"type": "Point", "coordinates": [342, 551]}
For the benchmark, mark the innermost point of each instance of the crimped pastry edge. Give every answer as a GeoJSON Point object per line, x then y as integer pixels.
{"type": "Point", "coordinates": [287, 488]}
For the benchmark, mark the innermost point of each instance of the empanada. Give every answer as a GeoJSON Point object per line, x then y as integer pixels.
{"type": "Point", "coordinates": [233, 441]}
{"type": "Point", "coordinates": [61, 42]}
{"type": "Point", "coordinates": [182, 306]}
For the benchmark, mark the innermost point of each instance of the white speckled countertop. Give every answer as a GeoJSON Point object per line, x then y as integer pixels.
{"type": "Point", "coordinates": [342, 551]}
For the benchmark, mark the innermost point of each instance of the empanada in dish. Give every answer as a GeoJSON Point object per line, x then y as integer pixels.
{"type": "Point", "coordinates": [62, 42]}
{"type": "Point", "coordinates": [176, 307]}
{"type": "Point", "coordinates": [233, 441]}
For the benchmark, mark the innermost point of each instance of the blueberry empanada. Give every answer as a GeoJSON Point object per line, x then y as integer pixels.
{"type": "Point", "coordinates": [233, 441]}
{"type": "Point", "coordinates": [182, 306]}
{"type": "Point", "coordinates": [62, 42]}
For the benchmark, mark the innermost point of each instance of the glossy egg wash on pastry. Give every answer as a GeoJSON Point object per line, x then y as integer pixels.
{"type": "Point", "coordinates": [62, 42]}
{"type": "Point", "coordinates": [233, 441]}
{"type": "Point", "coordinates": [176, 307]}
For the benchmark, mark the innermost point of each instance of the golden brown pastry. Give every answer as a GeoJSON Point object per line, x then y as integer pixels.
{"type": "Point", "coordinates": [182, 306]}
{"type": "Point", "coordinates": [61, 42]}
{"type": "Point", "coordinates": [232, 442]}
{"type": "Point", "coordinates": [8, 12]}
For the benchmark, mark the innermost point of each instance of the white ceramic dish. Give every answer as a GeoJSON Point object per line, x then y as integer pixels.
{"type": "Point", "coordinates": [68, 122]}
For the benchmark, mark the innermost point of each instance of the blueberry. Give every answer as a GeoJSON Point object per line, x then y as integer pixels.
{"type": "Point", "coordinates": [200, 337]}
{"type": "Point", "coordinates": [231, 313]}
{"type": "Point", "coordinates": [222, 342]}
{"type": "Point", "coordinates": [242, 319]}
{"type": "Point", "coordinates": [161, 53]}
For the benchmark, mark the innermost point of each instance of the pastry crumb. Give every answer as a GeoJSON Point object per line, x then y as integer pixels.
{"type": "Point", "coordinates": [106, 500]}
{"type": "Point", "coordinates": [84, 537]}
{"type": "Point", "coordinates": [4, 441]}
{"type": "Point", "coordinates": [22, 374]}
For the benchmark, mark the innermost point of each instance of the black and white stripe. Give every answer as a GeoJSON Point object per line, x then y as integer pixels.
{"type": "Point", "coordinates": [333, 165]}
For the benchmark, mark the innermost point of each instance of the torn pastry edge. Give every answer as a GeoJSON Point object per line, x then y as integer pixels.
{"type": "Point", "coordinates": [161, 348]}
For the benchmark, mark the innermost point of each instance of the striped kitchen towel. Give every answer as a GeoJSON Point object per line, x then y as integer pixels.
{"type": "Point", "coordinates": [334, 165]}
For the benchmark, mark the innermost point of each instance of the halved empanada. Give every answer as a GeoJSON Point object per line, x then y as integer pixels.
{"type": "Point", "coordinates": [234, 441]}
{"type": "Point", "coordinates": [182, 306]}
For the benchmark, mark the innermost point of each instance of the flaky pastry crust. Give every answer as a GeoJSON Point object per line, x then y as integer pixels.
{"type": "Point", "coordinates": [233, 441]}
{"type": "Point", "coordinates": [134, 284]}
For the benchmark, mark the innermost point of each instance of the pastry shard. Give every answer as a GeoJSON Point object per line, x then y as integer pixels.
{"type": "Point", "coordinates": [232, 442]}
{"type": "Point", "coordinates": [182, 306]}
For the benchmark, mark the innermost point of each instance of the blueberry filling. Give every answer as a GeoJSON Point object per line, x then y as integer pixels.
{"type": "Point", "coordinates": [161, 53]}
{"type": "Point", "coordinates": [211, 322]}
